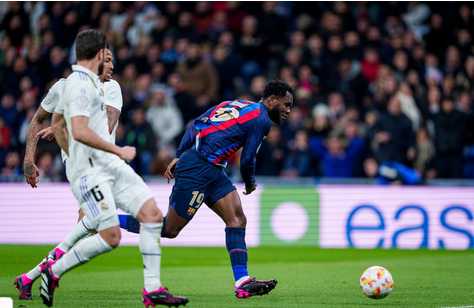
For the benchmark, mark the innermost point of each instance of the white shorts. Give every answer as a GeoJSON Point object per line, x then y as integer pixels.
{"type": "Point", "coordinates": [66, 163]}
{"type": "Point", "coordinates": [100, 195]}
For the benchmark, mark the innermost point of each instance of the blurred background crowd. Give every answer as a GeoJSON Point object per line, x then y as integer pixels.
{"type": "Point", "coordinates": [382, 89]}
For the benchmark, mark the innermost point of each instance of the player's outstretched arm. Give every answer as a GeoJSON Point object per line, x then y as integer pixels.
{"type": "Point", "coordinates": [30, 169]}
{"type": "Point", "coordinates": [59, 127]}
{"type": "Point", "coordinates": [253, 140]}
{"type": "Point", "coordinates": [113, 115]}
{"type": "Point", "coordinates": [82, 133]}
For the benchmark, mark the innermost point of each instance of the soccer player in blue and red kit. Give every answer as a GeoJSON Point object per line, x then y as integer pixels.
{"type": "Point", "coordinates": [199, 176]}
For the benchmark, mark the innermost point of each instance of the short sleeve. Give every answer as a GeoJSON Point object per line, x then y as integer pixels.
{"type": "Point", "coordinates": [52, 98]}
{"type": "Point", "coordinates": [113, 95]}
{"type": "Point", "coordinates": [59, 107]}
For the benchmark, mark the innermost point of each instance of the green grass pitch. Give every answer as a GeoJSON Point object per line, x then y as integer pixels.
{"type": "Point", "coordinates": [307, 277]}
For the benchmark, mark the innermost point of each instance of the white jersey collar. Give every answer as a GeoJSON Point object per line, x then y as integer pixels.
{"type": "Point", "coordinates": [90, 73]}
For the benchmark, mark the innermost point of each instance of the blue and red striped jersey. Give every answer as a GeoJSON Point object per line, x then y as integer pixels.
{"type": "Point", "coordinates": [224, 129]}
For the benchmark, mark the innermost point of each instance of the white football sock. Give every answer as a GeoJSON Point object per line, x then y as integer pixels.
{"type": "Point", "coordinates": [81, 229]}
{"type": "Point", "coordinates": [34, 273]}
{"type": "Point", "coordinates": [82, 253]}
{"type": "Point", "coordinates": [151, 252]}
{"type": "Point", "coordinates": [239, 282]}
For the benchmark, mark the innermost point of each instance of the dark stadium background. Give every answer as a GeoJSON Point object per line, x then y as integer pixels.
{"type": "Point", "coordinates": [174, 60]}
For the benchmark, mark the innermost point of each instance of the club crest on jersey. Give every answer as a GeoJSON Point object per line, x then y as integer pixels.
{"type": "Point", "coordinates": [104, 206]}
{"type": "Point", "coordinates": [191, 211]}
{"type": "Point", "coordinates": [224, 114]}
{"type": "Point", "coordinates": [82, 102]}
{"type": "Point", "coordinates": [102, 92]}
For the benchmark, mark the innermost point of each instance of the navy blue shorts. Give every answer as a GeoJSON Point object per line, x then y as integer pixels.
{"type": "Point", "coordinates": [197, 181]}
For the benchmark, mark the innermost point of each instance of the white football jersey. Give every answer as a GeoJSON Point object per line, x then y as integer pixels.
{"type": "Point", "coordinates": [113, 97]}
{"type": "Point", "coordinates": [51, 101]}
{"type": "Point", "coordinates": [83, 97]}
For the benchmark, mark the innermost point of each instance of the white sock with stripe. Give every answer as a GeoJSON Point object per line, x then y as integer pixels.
{"type": "Point", "coordinates": [82, 253]}
{"type": "Point", "coordinates": [151, 252]}
{"type": "Point", "coordinates": [81, 229]}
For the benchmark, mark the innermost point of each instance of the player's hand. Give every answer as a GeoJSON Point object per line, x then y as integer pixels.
{"type": "Point", "coordinates": [127, 153]}
{"type": "Point", "coordinates": [169, 173]}
{"type": "Point", "coordinates": [46, 133]}
{"type": "Point", "coordinates": [31, 174]}
{"type": "Point", "coordinates": [248, 190]}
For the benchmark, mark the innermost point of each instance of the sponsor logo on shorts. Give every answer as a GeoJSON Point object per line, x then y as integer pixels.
{"type": "Point", "coordinates": [191, 211]}
{"type": "Point", "coordinates": [104, 206]}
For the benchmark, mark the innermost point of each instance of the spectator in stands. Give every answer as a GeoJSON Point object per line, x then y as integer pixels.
{"type": "Point", "coordinates": [140, 135]}
{"type": "Point", "coordinates": [200, 77]}
{"type": "Point", "coordinates": [336, 159]}
{"type": "Point", "coordinates": [9, 111]}
{"type": "Point", "coordinates": [298, 160]}
{"type": "Point", "coordinates": [271, 155]}
{"type": "Point", "coordinates": [47, 170]}
{"type": "Point", "coordinates": [348, 82]}
{"type": "Point", "coordinates": [164, 117]}
{"type": "Point", "coordinates": [393, 135]}
{"type": "Point", "coordinates": [370, 64]}
{"type": "Point", "coordinates": [425, 151]}
{"type": "Point", "coordinates": [12, 170]}
{"type": "Point", "coordinates": [450, 131]}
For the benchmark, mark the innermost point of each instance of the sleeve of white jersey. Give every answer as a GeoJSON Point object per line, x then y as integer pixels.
{"type": "Point", "coordinates": [52, 98]}
{"type": "Point", "coordinates": [113, 95]}
{"type": "Point", "coordinates": [59, 107]}
{"type": "Point", "coordinates": [80, 97]}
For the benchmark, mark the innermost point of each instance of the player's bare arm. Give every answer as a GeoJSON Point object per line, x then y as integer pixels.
{"type": "Point", "coordinates": [59, 128]}
{"type": "Point", "coordinates": [82, 133]}
{"type": "Point", "coordinates": [113, 115]}
{"type": "Point", "coordinates": [30, 169]}
{"type": "Point", "coordinates": [170, 169]}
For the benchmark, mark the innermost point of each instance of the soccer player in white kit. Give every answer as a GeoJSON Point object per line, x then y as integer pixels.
{"type": "Point", "coordinates": [114, 102]}
{"type": "Point", "coordinates": [102, 181]}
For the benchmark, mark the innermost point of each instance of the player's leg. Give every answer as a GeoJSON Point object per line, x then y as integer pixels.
{"type": "Point", "coordinates": [134, 197]}
{"type": "Point", "coordinates": [129, 223]}
{"type": "Point", "coordinates": [25, 281]}
{"type": "Point", "coordinates": [229, 208]}
{"type": "Point", "coordinates": [173, 223]}
{"type": "Point", "coordinates": [99, 206]}
{"type": "Point", "coordinates": [192, 176]}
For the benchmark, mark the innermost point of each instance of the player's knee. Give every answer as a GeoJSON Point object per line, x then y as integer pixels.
{"type": "Point", "coordinates": [150, 213]}
{"type": "Point", "coordinates": [114, 241]}
{"type": "Point", "coordinates": [239, 221]}
{"type": "Point", "coordinates": [112, 237]}
{"type": "Point", "coordinates": [170, 233]}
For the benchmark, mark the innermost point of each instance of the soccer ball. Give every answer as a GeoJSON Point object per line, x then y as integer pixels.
{"type": "Point", "coordinates": [376, 282]}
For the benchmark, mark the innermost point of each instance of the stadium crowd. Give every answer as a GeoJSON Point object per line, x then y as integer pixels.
{"type": "Point", "coordinates": [376, 83]}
